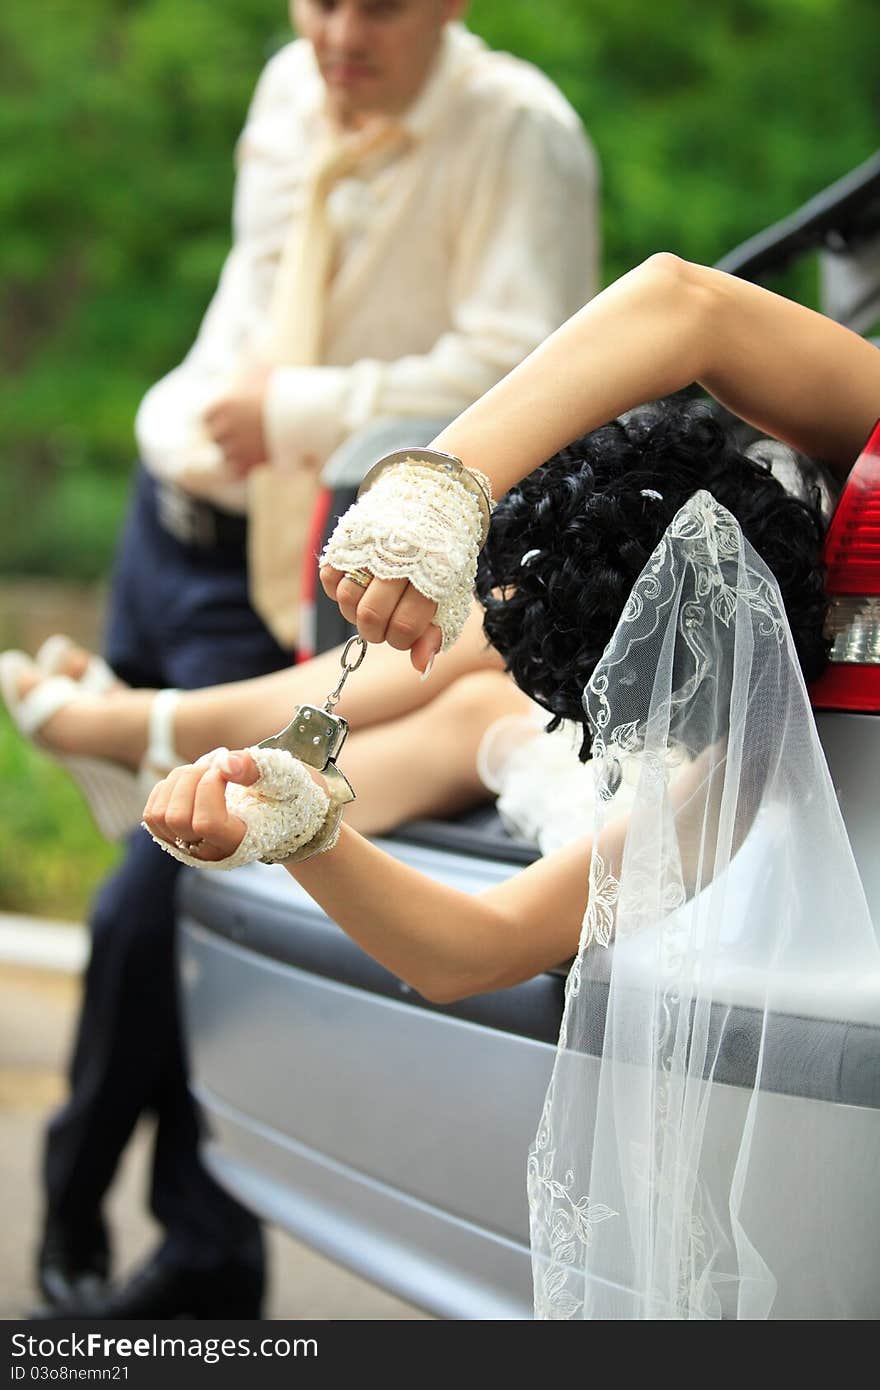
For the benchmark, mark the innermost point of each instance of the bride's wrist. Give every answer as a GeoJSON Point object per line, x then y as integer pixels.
{"type": "Point", "coordinates": [447, 465]}
{"type": "Point", "coordinates": [420, 516]}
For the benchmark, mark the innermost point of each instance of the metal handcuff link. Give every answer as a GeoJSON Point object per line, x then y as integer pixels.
{"type": "Point", "coordinates": [315, 736]}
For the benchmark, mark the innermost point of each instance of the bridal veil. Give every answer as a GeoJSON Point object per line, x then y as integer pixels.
{"type": "Point", "coordinates": [724, 903]}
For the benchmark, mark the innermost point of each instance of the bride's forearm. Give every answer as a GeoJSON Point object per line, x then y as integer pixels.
{"type": "Point", "coordinates": [666, 324]}
{"type": "Point", "coordinates": [445, 943]}
{"type": "Point", "coordinates": [431, 936]}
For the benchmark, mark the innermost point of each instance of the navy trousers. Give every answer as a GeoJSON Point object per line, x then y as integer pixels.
{"type": "Point", "coordinates": [179, 616]}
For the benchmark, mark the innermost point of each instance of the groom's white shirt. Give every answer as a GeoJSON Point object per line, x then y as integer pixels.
{"type": "Point", "coordinates": [456, 256]}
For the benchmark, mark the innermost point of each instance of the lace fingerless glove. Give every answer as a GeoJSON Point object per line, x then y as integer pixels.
{"type": "Point", "coordinates": [417, 522]}
{"type": "Point", "coordinates": [283, 811]}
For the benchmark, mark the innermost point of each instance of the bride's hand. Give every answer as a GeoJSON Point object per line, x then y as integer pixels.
{"type": "Point", "coordinates": [387, 610]}
{"type": "Point", "coordinates": [190, 804]}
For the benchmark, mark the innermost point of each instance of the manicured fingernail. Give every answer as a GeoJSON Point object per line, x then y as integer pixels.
{"type": "Point", "coordinates": [230, 764]}
{"type": "Point", "coordinates": [233, 765]}
{"type": "Point", "coordinates": [430, 666]}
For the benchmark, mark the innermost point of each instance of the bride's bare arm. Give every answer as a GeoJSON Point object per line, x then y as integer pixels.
{"type": "Point", "coordinates": [444, 943]}
{"type": "Point", "coordinates": [790, 371]}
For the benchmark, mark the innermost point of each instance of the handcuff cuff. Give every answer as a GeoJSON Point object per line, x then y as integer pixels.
{"type": "Point", "coordinates": [441, 463]}
{"type": "Point", "coordinates": [315, 736]}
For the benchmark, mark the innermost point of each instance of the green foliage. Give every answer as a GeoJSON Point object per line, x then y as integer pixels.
{"type": "Point", "coordinates": [51, 856]}
{"type": "Point", "coordinates": [118, 120]}
{"type": "Point", "coordinates": [711, 119]}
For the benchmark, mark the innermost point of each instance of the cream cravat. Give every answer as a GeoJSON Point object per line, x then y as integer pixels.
{"type": "Point", "coordinates": [280, 504]}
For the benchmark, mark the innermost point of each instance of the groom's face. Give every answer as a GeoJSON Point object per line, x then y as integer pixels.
{"type": "Point", "coordinates": [374, 55]}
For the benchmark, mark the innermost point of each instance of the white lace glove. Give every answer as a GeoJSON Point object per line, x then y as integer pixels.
{"type": "Point", "coordinates": [417, 523]}
{"type": "Point", "coordinates": [283, 811]}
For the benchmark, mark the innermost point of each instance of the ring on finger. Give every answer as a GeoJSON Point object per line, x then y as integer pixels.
{"type": "Point", "coordinates": [187, 845]}
{"type": "Point", "coordinates": [362, 578]}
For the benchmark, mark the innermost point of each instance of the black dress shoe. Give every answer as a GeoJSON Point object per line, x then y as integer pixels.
{"type": "Point", "coordinates": [164, 1288]}
{"type": "Point", "coordinates": [73, 1265]}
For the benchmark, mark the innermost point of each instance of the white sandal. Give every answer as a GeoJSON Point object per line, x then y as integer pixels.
{"type": "Point", "coordinates": [52, 657]}
{"type": "Point", "coordinates": [115, 794]}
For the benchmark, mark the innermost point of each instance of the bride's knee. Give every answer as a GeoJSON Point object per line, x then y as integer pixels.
{"type": "Point", "coordinates": [478, 698]}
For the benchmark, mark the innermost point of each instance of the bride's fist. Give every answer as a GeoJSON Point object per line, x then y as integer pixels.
{"type": "Point", "coordinates": [190, 805]}
{"type": "Point", "coordinates": [230, 809]}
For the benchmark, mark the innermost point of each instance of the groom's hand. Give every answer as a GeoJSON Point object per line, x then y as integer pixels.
{"type": "Point", "coordinates": [235, 421]}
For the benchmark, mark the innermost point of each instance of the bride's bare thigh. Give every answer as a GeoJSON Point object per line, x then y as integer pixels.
{"type": "Point", "coordinates": [425, 763]}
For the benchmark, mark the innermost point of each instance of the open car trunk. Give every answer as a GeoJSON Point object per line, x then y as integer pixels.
{"type": "Point", "coordinates": [344, 1107]}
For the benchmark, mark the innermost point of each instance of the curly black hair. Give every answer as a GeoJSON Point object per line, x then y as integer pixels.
{"type": "Point", "coordinates": [566, 545]}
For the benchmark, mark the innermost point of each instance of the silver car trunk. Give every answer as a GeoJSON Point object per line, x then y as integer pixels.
{"type": "Point", "coordinates": [344, 1107]}
{"type": "Point", "coordinates": [348, 1110]}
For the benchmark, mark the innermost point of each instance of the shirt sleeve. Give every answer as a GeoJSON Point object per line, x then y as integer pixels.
{"type": "Point", "coordinates": [526, 250]}
{"type": "Point", "coordinates": [170, 434]}
{"type": "Point", "coordinates": [168, 426]}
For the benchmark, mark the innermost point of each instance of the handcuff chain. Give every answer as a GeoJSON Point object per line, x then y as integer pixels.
{"type": "Point", "coordinates": [347, 668]}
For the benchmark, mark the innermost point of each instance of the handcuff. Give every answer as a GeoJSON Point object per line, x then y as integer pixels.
{"type": "Point", "coordinates": [315, 736]}
{"type": "Point", "coordinates": [447, 464]}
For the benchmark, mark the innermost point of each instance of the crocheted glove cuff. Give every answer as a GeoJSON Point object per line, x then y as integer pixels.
{"type": "Point", "coordinates": [416, 523]}
{"type": "Point", "coordinates": [283, 811]}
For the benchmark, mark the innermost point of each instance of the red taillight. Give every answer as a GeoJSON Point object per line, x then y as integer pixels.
{"type": "Point", "coordinates": [852, 558]}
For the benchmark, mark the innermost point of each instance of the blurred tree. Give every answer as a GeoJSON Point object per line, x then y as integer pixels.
{"type": "Point", "coordinates": [118, 119]}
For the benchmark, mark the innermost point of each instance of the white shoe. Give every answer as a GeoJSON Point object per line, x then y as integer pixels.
{"type": "Point", "coordinates": [115, 794]}
{"type": "Point", "coordinates": [52, 657]}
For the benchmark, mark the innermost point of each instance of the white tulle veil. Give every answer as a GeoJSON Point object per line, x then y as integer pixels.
{"type": "Point", "coordinates": [723, 904]}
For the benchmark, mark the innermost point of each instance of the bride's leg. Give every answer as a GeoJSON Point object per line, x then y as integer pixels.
{"type": "Point", "coordinates": [425, 763]}
{"type": "Point", "coordinates": [115, 725]}
{"type": "Point", "coordinates": [384, 688]}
